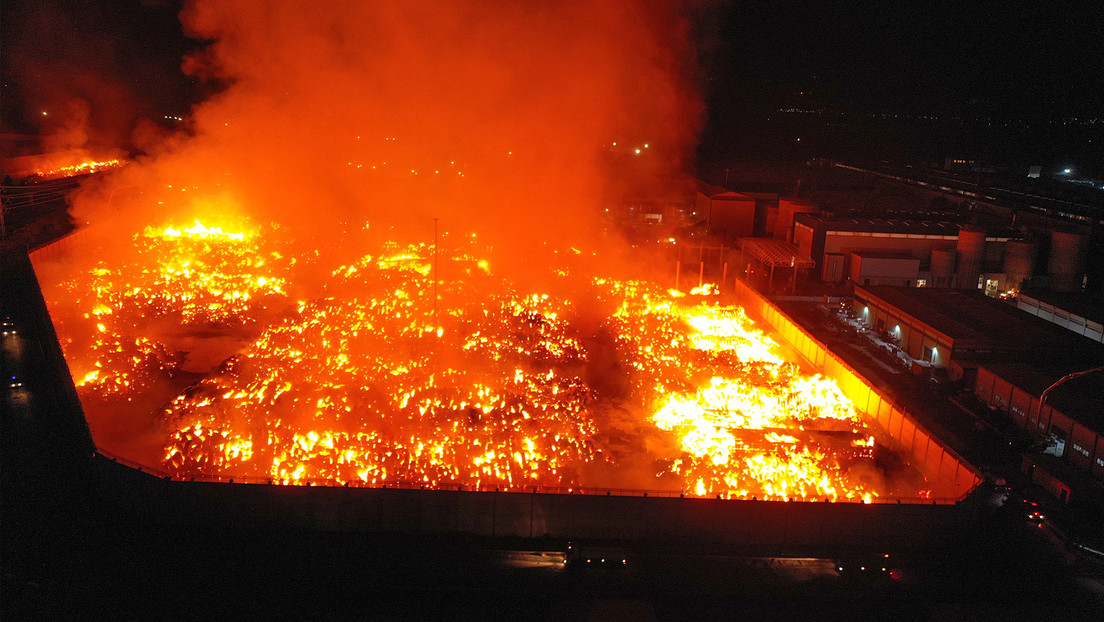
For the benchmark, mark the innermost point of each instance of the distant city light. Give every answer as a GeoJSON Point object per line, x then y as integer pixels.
{"type": "Point", "coordinates": [638, 151]}
{"type": "Point", "coordinates": [1066, 171]}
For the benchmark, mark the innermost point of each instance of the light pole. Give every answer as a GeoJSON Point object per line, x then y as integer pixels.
{"type": "Point", "coordinates": [436, 277]}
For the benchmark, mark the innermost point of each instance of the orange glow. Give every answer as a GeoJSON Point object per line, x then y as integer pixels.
{"type": "Point", "coordinates": [372, 383]}
{"type": "Point", "coordinates": [82, 168]}
{"type": "Point", "coordinates": [377, 255]}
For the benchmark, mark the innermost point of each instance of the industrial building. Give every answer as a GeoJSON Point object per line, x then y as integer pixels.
{"type": "Point", "coordinates": [1007, 358]}
{"type": "Point", "coordinates": [947, 254]}
{"type": "Point", "coordinates": [957, 330]}
{"type": "Point", "coordinates": [727, 214]}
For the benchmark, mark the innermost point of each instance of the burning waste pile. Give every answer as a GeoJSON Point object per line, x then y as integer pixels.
{"type": "Point", "coordinates": [396, 375]}
{"type": "Point", "coordinates": [85, 167]}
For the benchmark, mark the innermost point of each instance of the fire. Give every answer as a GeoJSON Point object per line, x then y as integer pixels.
{"type": "Point", "coordinates": [193, 277]}
{"type": "Point", "coordinates": [72, 170]}
{"type": "Point", "coordinates": [394, 374]}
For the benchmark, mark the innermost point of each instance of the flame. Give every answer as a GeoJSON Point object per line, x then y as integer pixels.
{"type": "Point", "coordinates": [72, 170]}
{"type": "Point", "coordinates": [378, 380]}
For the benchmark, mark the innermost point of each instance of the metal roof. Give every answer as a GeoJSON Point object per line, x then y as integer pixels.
{"type": "Point", "coordinates": [776, 253]}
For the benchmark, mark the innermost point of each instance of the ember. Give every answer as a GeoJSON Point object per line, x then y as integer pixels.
{"type": "Point", "coordinates": [73, 170]}
{"type": "Point", "coordinates": [381, 380]}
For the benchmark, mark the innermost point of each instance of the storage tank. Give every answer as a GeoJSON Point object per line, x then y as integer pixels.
{"type": "Point", "coordinates": [971, 246]}
{"type": "Point", "coordinates": [1066, 265]}
{"type": "Point", "coordinates": [942, 266]}
{"type": "Point", "coordinates": [1019, 262]}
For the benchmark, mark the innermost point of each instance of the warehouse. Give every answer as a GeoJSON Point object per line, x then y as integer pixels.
{"type": "Point", "coordinates": [958, 329]}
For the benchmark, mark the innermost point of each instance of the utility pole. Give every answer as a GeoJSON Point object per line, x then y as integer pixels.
{"type": "Point", "coordinates": [436, 278]}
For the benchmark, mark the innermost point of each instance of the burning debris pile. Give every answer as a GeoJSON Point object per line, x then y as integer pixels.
{"type": "Point", "coordinates": [73, 170]}
{"type": "Point", "coordinates": [188, 277]}
{"type": "Point", "coordinates": [421, 366]}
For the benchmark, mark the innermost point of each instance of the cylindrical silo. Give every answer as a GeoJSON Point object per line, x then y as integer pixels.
{"type": "Point", "coordinates": [942, 266]}
{"type": "Point", "coordinates": [1019, 262]}
{"type": "Point", "coordinates": [971, 246]}
{"type": "Point", "coordinates": [1066, 265]}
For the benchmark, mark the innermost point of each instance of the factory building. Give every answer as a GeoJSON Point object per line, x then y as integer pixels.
{"type": "Point", "coordinates": [947, 254]}
{"type": "Point", "coordinates": [1008, 358]}
{"type": "Point", "coordinates": [881, 268]}
{"type": "Point", "coordinates": [728, 214]}
{"type": "Point", "coordinates": [956, 329]}
{"type": "Point", "coordinates": [781, 226]}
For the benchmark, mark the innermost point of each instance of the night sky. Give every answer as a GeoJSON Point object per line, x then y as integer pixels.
{"type": "Point", "coordinates": [906, 81]}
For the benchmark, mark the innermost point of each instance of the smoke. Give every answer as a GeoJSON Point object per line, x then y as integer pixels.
{"type": "Point", "coordinates": [352, 123]}
{"type": "Point", "coordinates": [494, 118]}
{"type": "Point", "coordinates": [83, 75]}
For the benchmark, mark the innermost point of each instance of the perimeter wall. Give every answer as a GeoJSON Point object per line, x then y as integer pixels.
{"type": "Point", "coordinates": [949, 474]}
{"type": "Point", "coordinates": [718, 525]}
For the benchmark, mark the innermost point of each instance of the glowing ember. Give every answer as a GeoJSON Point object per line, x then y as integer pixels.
{"type": "Point", "coordinates": [385, 378]}
{"type": "Point", "coordinates": [193, 277]}
{"type": "Point", "coordinates": [73, 170]}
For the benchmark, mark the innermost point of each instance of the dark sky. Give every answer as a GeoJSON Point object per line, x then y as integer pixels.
{"type": "Point", "coordinates": [1007, 60]}
{"type": "Point", "coordinates": [122, 57]}
{"type": "Point", "coordinates": [922, 57]}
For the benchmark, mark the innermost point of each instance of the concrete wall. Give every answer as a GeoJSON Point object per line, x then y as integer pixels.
{"type": "Point", "coordinates": [714, 523]}
{"type": "Point", "coordinates": [1065, 319]}
{"type": "Point", "coordinates": [948, 474]}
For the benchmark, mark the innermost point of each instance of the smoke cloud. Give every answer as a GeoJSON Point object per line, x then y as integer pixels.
{"type": "Point", "coordinates": [495, 118]}
{"type": "Point", "coordinates": [83, 75]}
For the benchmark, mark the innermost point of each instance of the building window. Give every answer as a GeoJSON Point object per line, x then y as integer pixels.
{"type": "Point", "coordinates": [921, 282]}
{"type": "Point", "coordinates": [928, 355]}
